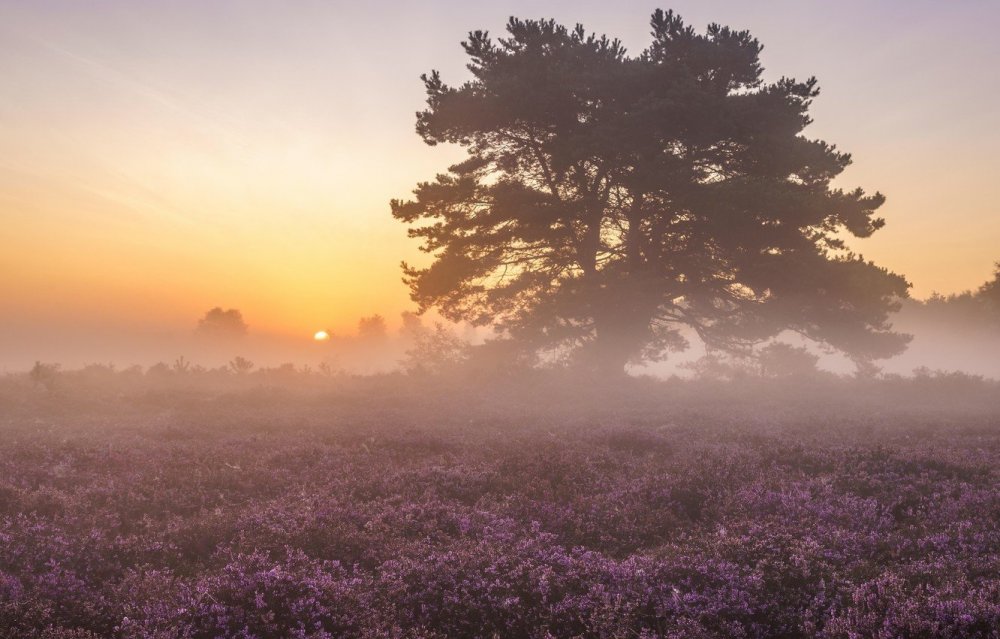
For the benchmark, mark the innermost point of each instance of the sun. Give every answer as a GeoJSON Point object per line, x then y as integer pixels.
{"type": "Point", "coordinates": [321, 336]}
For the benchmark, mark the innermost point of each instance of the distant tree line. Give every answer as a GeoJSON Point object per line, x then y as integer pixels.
{"type": "Point", "coordinates": [979, 308]}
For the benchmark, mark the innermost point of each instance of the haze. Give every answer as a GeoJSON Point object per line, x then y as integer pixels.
{"type": "Point", "coordinates": [572, 337]}
{"type": "Point", "coordinates": [160, 159]}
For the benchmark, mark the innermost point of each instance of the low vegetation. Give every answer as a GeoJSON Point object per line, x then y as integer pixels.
{"type": "Point", "coordinates": [393, 506]}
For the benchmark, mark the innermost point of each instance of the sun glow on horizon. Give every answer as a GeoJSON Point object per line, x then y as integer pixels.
{"type": "Point", "coordinates": [158, 163]}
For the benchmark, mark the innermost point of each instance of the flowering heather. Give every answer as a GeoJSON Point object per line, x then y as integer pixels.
{"type": "Point", "coordinates": [648, 513]}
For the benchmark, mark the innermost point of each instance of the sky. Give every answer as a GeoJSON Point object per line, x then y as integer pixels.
{"type": "Point", "coordinates": [158, 159]}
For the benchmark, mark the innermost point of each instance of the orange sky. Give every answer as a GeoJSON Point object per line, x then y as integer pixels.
{"type": "Point", "coordinates": [160, 159]}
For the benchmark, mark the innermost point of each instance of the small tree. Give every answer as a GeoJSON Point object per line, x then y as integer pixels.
{"type": "Point", "coordinates": [780, 360]}
{"type": "Point", "coordinates": [181, 366]}
{"type": "Point", "coordinates": [159, 369]}
{"type": "Point", "coordinates": [715, 365]}
{"type": "Point", "coordinates": [222, 323]}
{"type": "Point", "coordinates": [435, 350]}
{"type": "Point", "coordinates": [240, 365]}
{"type": "Point", "coordinates": [44, 374]}
{"type": "Point", "coordinates": [372, 328]}
{"type": "Point", "coordinates": [412, 324]}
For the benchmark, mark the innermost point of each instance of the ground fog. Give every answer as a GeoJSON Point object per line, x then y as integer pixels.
{"type": "Point", "coordinates": [539, 507]}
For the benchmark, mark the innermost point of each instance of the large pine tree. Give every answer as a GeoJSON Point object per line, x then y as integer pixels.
{"type": "Point", "coordinates": [610, 201]}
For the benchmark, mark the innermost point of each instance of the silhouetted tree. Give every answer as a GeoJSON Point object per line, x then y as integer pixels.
{"type": "Point", "coordinates": [608, 201]}
{"type": "Point", "coordinates": [989, 293]}
{"type": "Point", "coordinates": [159, 369]}
{"type": "Point", "coordinates": [435, 350]}
{"type": "Point", "coordinates": [784, 360]}
{"type": "Point", "coordinates": [218, 322]}
{"type": "Point", "coordinates": [181, 366]}
{"type": "Point", "coordinates": [412, 324]}
{"type": "Point", "coordinates": [44, 374]}
{"type": "Point", "coordinates": [372, 327]}
{"type": "Point", "coordinates": [718, 365]}
{"type": "Point", "coordinates": [240, 365]}
{"type": "Point", "coordinates": [500, 357]}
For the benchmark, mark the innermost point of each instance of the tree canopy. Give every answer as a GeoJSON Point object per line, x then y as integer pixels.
{"type": "Point", "coordinates": [611, 204]}
{"type": "Point", "coordinates": [222, 323]}
{"type": "Point", "coordinates": [372, 327]}
{"type": "Point", "coordinates": [989, 292]}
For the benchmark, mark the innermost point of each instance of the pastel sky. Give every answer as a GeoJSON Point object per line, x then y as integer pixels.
{"type": "Point", "coordinates": [161, 158]}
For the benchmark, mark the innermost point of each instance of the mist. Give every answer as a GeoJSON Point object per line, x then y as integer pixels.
{"type": "Point", "coordinates": [312, 326]}
{"type": "Point", "coordinates": [946, 338]}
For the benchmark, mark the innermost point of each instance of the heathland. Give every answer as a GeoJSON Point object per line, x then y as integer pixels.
{"type": "Point", "coordinates": [400, 506]}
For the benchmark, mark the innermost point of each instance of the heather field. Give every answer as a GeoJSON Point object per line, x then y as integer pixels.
{"type": "Point", "coordinates": [393, 507]}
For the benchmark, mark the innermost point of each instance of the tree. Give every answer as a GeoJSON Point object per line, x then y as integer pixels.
{"type": "Point", "coordinates": [412, 324]}
{"type": "Point", "coordinates": [781, 360]}
{"type": "Point", "coordinates": [718, 366]}
{"type": "Point", "coordinates": [435, 350]}
{"type": "Point", "coordinates": [44, 374]}
{"type": "Point", "coordinates": [989, 294]}
{"type": "Point", "coordinates": [969, 309]}
{"type": "Point", "coordinates": [181, 366]}
{"type": "Point", "coordinates": [240, 365]}
{"type": "Point", "coordinates": [610, 203]}
{"type": "Point", "coordinates": [372, 328]}
{"type": "Point", "coordinates": [220, 323]}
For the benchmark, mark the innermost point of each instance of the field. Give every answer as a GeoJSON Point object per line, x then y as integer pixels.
{"type": "Point", "coordinates": [388, 507]}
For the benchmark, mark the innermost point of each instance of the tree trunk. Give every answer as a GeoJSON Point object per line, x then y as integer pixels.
{"type": "Point", "coordinates": [621, 331]}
